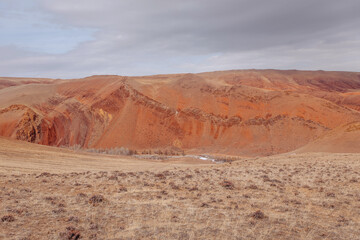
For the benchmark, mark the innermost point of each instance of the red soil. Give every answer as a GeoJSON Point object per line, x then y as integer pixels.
{"type": "Point", "coordinates": [252, 112]}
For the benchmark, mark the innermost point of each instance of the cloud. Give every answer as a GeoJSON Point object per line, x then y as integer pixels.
{"type": "Point", "coordinates": [147, 37]}
{"type": "Point", "coordinates": [23, 25]}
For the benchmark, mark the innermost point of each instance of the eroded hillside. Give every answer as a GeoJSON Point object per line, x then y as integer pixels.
{"type": "Point", "coordinates": [252, 112]}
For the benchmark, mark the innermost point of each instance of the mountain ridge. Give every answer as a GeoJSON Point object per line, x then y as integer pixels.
{"type": "Point", "coordinates": [242, 112]}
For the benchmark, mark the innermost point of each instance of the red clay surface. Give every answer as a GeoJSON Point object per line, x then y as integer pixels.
{"type": "Point", "coordinates": [248, 112]}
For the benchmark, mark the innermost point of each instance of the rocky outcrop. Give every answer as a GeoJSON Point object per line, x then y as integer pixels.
{"type": "Point", "coordinates": [28, 127]}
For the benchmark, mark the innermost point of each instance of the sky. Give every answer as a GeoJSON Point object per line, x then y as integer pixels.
{"type": "Point", "coordinates": [72, 39]}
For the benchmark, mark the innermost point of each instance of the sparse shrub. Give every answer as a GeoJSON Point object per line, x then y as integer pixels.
{"type": "Point", "coordinates": [70, 234]}
{"type": "Point", "coordinates": [75, 147]}
{"type": "Point", "coordinates": [353, 180]}
{"type": "Point", "coordinates": [94, 226]}
{"type": "Point", "coordinates": [44, 174]}
{"type": "Point", "coordinates": [160, 176]}
{"type": "Point", "coordinates": [8, 218]}
{"type": "Point", "coordinates": [113, 177]}
{"type": "Point", "coordinates": [258, 215]}
{"type": "Point", "coordinates": [330, 194]}
{"type": "Point", "coordinates": [204, 205]}
{"type": "Point", "coordinates": [82, 195]}
{"type": "Point", "coordinates": [297, 202]}
{"type": "Point", "coordinates": [174, 219]}
{"type": "Point", "coordinates": [266, 178]}
{"type": "Point", "coordinates": [96, 200]}
{"type": "Point", "coordinates": [174, 186]}
{"type": "Point", "coordinates": [252, 186]}
{"type": "Point", "coordinates": [112, 151]}
{"type": "Point", "coordinates": [227, 184]}
{"type": "Point", "coordinates": [73, 219]}
{"type": "Point", "coordinates": [58, 211]}
{"type": "Point", "coordinates": [93, 236]}
{"type": "Point", "coordinates": [49, 199]}
{"type": "Point", "coordinates": [193, 189]}
{"type": "Point", "coordinates": [122, 189]}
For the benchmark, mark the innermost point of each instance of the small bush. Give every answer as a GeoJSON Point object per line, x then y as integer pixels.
{"type": "Point", "coordinates": [228, 185]}
{"type": "Point", "coordinates": [70, 234]}
{"type": "Point", "coordinates": [122, 189]}
{"type": "Point", "coordinates": [254, 187]}
{"type": "Point", "coordinates": [258, 215]}
{"type": "Point", "coordinates": [160, 176]}
{"type": "Point", "coordinates": [8, 218]}
{"type": "Point", "coordinates": [96, 200]}
{"type": "Point", "coordinates": [330, 194]}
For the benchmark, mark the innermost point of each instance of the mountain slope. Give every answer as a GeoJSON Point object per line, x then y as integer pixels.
{"type": "Point", "coordinates": [249, 112]}
{"type": "Point", "coordinates": [343, 139]}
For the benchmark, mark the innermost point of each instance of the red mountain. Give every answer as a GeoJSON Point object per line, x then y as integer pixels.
{"type": "Point", "coordinates": [248, 112]}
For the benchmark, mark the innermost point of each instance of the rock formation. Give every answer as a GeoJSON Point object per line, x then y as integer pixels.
{"type": "Point", "coordinates": [247, 112]}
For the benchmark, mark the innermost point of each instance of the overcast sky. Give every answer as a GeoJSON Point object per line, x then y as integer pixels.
{"type": "Point", "coordinates": [68, 39]}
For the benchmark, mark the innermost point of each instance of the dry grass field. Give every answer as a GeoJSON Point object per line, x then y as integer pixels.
{"type": "Point", "coordinates": [290, 196]}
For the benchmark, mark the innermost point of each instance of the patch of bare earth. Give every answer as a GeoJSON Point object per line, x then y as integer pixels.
{"type": "Point", "coordinates": [308, 196]}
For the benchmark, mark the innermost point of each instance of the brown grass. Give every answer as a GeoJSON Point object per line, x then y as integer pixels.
{"type": "Point", "coordinates": [307, 196]}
